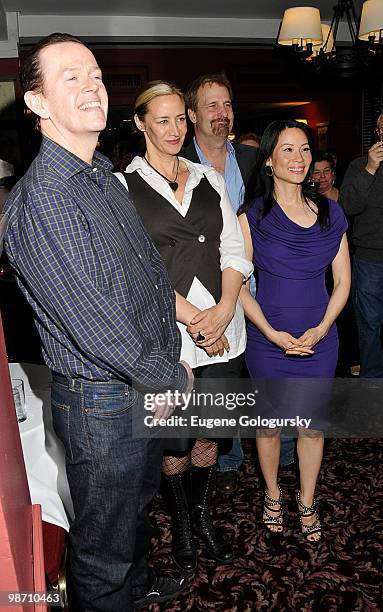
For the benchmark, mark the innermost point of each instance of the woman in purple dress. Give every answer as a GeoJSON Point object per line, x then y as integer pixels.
{"type": "Point", "coordinates": [293, 234]}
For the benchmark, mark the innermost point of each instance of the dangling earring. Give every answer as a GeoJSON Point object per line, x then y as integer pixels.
{"type": "Point", "coordinates": [271, 170]}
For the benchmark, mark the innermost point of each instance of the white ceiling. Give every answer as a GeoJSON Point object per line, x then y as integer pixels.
{"type": "Point", "coordinates": [239, 9]}
{"type": "Point", "coordinates": [132, 22]}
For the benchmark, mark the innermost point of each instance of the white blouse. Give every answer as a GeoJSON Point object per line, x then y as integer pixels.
{"type": "Point", "coordinates": [232, 254]}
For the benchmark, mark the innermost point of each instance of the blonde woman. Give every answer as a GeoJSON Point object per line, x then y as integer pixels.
{"type": "Point", "coordinates": [186, 210]}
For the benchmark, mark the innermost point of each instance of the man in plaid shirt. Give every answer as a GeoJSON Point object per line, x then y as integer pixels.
{"type": "Point", "coordinates": [105, 311]}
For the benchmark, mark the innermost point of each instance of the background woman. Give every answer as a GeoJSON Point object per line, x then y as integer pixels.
{"type": "Point", "coordinates": [293, 234]}
{"type": "Point", "coordinates": [186, 210]}
{"type": "Point", "coordinates": [323, 173]}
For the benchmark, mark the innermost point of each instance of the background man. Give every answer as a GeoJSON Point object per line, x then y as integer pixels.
{"type": "Point", "coordinates": [105, 312]}
{"type": "Point", "coordinates": [250, 138]}
{"type": "Point", "coordinates": [362, 197]}
{"type": "Point", "coordinates": [210, 109]}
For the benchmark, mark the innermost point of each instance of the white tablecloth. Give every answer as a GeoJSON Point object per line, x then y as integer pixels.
{"type": "Point", "coordinates": [44, 454]}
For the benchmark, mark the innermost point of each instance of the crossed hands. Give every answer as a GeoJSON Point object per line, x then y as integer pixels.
{"type": "Point", "coordinates": [301, 346]}
{"type": "Point", "coordinates": [208, 326]}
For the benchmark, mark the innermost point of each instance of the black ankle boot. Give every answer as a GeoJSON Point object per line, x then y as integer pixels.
{"type": "Point", "coordinates": [202, 485]}
{"type": "Point", "coordinates": [184, 551]}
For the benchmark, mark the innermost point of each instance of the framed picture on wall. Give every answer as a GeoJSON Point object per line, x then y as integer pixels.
{"type": "Point", "coordinates": [372, 98]}
{"type": "Point", "coordinates": [123, 82]}
{"type": "Point", "coordinates": [322, 136]}
{"type": "Point", "coordinates": [130, 78]}
{"type": "Point", "coordinates": [9, 136]}
{"type": "Point", "coordinates": [7, 101]}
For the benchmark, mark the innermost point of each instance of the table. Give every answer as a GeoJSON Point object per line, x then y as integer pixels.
{"type": "Point", "coordinates": [44, 454]}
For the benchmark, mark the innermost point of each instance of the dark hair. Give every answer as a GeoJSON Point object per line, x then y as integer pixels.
{"type": "Point", "coordinates": [32, 78]}
{"type": "Point", "coordinates": [249, 136]}
{"type": "Point", "coordinates": [191, 95]}
{"type": "Point", "coordinates": [262, 185]}
{"type": "Point", "coordinates": [327, 157]}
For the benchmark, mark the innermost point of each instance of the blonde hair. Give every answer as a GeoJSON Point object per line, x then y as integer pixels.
{"type": "Point", "coordinates": [152, 90]}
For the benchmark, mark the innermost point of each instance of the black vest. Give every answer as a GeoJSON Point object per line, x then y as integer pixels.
{"type": "Point", "coordinates": [188, 245]}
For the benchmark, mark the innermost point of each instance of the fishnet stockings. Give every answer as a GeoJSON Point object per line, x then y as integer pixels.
{"type": "Point", "coordinates": [204, 454]}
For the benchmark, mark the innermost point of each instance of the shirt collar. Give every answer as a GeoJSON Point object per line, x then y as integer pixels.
{"type": "Point", "coordinates": [138, 163]}
{"type": "Point", "coordinates": [229, 148]}
{"type": "Point", "coordinates": [67, 164]}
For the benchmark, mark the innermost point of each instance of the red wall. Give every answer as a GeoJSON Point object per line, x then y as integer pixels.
{"type": "Point", "coordinates": [256, 77]}
{"type": "Point", "coordinates": [9, 67]}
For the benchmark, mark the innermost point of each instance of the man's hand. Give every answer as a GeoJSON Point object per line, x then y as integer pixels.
{"type": "Point", "coordinates": [164, 404]}
{"type": "Point", "coordinates": [375, 157]}
{"type": "Point", "coordinates": [190, 376]}
{"type": "Point", "coordinates": [211, 324]}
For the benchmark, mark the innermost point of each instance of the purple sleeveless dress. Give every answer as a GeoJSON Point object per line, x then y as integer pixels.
{"type": "Point", "coordinates": [291, 262]}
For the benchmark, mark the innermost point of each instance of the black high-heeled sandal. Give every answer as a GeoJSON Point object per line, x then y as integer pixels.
{"type": "Point", "coordinates": [305, 512]}
{"type": "Point", "coordinates": [275, 520]}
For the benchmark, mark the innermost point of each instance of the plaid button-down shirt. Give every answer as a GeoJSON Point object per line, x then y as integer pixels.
{"type": "Point", "coordinates": [103, 302]}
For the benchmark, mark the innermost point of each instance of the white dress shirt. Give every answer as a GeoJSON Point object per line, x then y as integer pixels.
{"type": "Point", "coordinates": [232, 254]}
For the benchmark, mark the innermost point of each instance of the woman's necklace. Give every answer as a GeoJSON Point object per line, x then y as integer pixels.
{"type": "Point", "coordinates": [172, 184]}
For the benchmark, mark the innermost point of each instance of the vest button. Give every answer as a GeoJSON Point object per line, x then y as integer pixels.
{"type": "Point", "coordinates": [201, 238]}
{"type": "Point", "coordinates": [172, 242]}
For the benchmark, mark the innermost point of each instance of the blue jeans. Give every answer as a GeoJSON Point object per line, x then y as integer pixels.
{"type": "Point", "coordinates": [367, 294]}
{"type": "Point", "coordinates": [233, 459]}
{"type": "Point", "coordinates": [287, 451]}
{"type": "Point", "coordinates": [112, 478]}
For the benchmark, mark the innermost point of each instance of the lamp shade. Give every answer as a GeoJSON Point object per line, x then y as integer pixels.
{"type": "Point", "coordinates": [327, 48]}
{"type": "Point", "coordinates": [371, 19]}
{"type": "Point", "coordinates": [300, 23]}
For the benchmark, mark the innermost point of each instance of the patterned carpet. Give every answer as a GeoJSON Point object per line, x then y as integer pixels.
{"type": "Point", "coordinates": [343, 573]}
